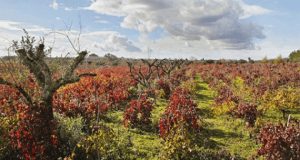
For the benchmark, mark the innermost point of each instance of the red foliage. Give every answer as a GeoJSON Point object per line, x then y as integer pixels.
{"type": "Point", "coordinates": [30, 136]}
{"type": "Point", "coordinates": [93, 95]}
{"type": "Point", "coordinates": [261, 77]}
{"type": "Point", "coordinates": [280, 142]}
{"type": "Point", "coordinates": [139, 112]}
{"type": "Point", "coordinates": [248, 112]}
{"type": "Point", "coordinates": [181, 110]}
{"type": "Point", "coordinates": [178, 76]}
{"type": "Point", "coordinates": [165, 86]}
{"type": "Point", "coordinates": [225, 94]}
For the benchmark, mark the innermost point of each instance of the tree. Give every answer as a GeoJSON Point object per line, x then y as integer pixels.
{"type": "Point", "coordinates": [110, 57]}
{"type": "Point", "coordinates": [295, 56]}
{"type": "Point", "coordinates": [143, 74]}
{"type": "Point", "coordinates": [278, 59]}
{"type": "Point", "coordinates": [32, 55]}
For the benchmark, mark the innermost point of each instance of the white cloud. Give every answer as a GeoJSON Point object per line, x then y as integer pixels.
{"type": "Point", "coordinates": [19, 26]}
{"type": "Point", "coordinates": [9, 25]}
{"type": "Point", "coordinates": [111, 7]}
{"type": "Point", "coordinates": [54, 5]}
{"type": "Point", "coordinates": [187, 44]}
{"type": "Point", "coordinates": [169, 47]}
{"type": "Point", "coordinates": [99, 19]}
{"type": "Point", "coordinates": [253, 10]}
{"type": "Point", "coordinates": [99, 42]}
{"type": "Point", "coordinates": [112, 42]}
{"type": "Point", "coordinates": [189, 20]}
{"type": "Point", "coordinates": [68, 9]}
{"type": "Point", "coordinates": [72, 9]}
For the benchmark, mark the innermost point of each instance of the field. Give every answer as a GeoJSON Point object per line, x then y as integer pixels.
{"type": "Point", "coordinates": [149, 80]}
{"type": "Point", "coordinates": [151, 109]}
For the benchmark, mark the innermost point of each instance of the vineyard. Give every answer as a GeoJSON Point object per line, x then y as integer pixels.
{"type": "Point", "coordinates": [147, 109]}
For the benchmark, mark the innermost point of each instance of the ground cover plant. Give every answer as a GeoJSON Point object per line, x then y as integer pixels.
{"type": "Point", "coordinates": [146, 109]}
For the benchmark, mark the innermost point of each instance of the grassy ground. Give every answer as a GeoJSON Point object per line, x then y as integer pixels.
{"type": "Point", "coordinates": [223, 132]}
{"type": "Point", "coordinates": [145, 144]}
{"type": "Point", "coordinates": [230, 133]}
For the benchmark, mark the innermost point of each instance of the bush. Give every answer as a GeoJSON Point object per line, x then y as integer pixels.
{"type": "Point", "coordinates": [165, 86]}
{"type": "Point", "coordinates": [278, 60]}
{"type": "Point", "coordinates": [248, 112]}
{"type": "Point", "coordinates": [69, 132]}
{"type": "Point", "coordinates": [6, 151]}
{"type": "Point", "coordinates": [181, 110]}
{"type": "Point", "coordinates": [102, 144]}
{"type": "Point", "coordinates": [280, 142]}
{"type": "Point", "coordinates": [179, 126]}
{"type": "Point", "coordinates": [295, 56]}
{"type": "Point", "coordinates": [28, 137]}
{"type": "Point", "coordinates": [225, 95]}
{"type": "Point", "coordinates": [180, 143]}
{"type": "Point", "coordinates": [282, 99]}
{"type": "Point", "coordinates": [190, 85]}
{"type": "Point", "coordinates": [139, 113]}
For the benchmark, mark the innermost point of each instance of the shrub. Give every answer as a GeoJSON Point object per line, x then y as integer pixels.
{"type": "Point", "coordinates": [295, 55]}
{"type": "Point", "coordinates": [181, 110]}
{"type": "Point", "coordinates": [6, 151]}
{"type": "Point", "coordinates": [69, 132]}
{"type": "Point", "coordinates": [248, 112]}
{"type": "Point", "coordinates": [139, 113]}
{"type": "Point", "coordinates": [179, 126]}
{"type": "Point", "coordinates": [177, 77]}
{"type": "Point", "coordinates": [190, 85]}
{"type": "Point", "coordinates": [180, 143]}
{"type": "Point", "coordinates": [280, 142]}
{"type": "Point", "coordinates": [282, 99]}
{"type": "Point", "coordinates": [226, 95]}
{"type": "Point", "coordinates": [165, 86]}
{"type": "Point", "coordinates": [28, 134]}
{"type": "Point", "coordinates": [102, 144]}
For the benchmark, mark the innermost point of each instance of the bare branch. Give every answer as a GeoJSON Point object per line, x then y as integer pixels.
{"type": "Point", "coordinates": [75, 64]}
{"type": "Point", "coordinates": [19, 89]}
{"type": "Point", "coordinates": [29, 61]}
{"type": "Point", "coordinates": [87, 75]}
{"type": "Point", "coordinates": [143, 77]}
{"type": "Point", "coordinates": [68, 76]}
{"type": "Point", "coordinates": [68, 38]}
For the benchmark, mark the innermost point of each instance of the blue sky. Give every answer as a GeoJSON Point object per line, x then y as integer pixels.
{"type": "Point", "coordinates": [231, 29]}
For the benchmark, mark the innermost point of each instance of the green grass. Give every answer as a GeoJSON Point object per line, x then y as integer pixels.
{"type": "Point", "coordinates": [230, 133]}
{"type": "Point", "coordinates": [223, 132]}
{"type": "Point", "coordinates": [145, 144]}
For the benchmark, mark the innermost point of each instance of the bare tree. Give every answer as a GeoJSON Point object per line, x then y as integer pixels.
{"type": "Point", "coordinates": [167, 66]}
{"type": "Point", "coordinates": [142, 77]}
{"type": "Point", "coordinates": [33, 56]}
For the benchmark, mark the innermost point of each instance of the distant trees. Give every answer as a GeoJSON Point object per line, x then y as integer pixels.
{"type": "Point", "coordinates": [92, 57]}
{"type": "Point", "coordinates": [295, 56]}
{"type": "Point", "coordinates": [110, 57]}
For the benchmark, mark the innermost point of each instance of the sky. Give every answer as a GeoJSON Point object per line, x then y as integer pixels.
{"type": "Point", "coordinates": [209, 29]}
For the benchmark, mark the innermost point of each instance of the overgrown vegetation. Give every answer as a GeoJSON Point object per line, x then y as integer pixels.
{"type": "Point", "coordinates": [150, 109]}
